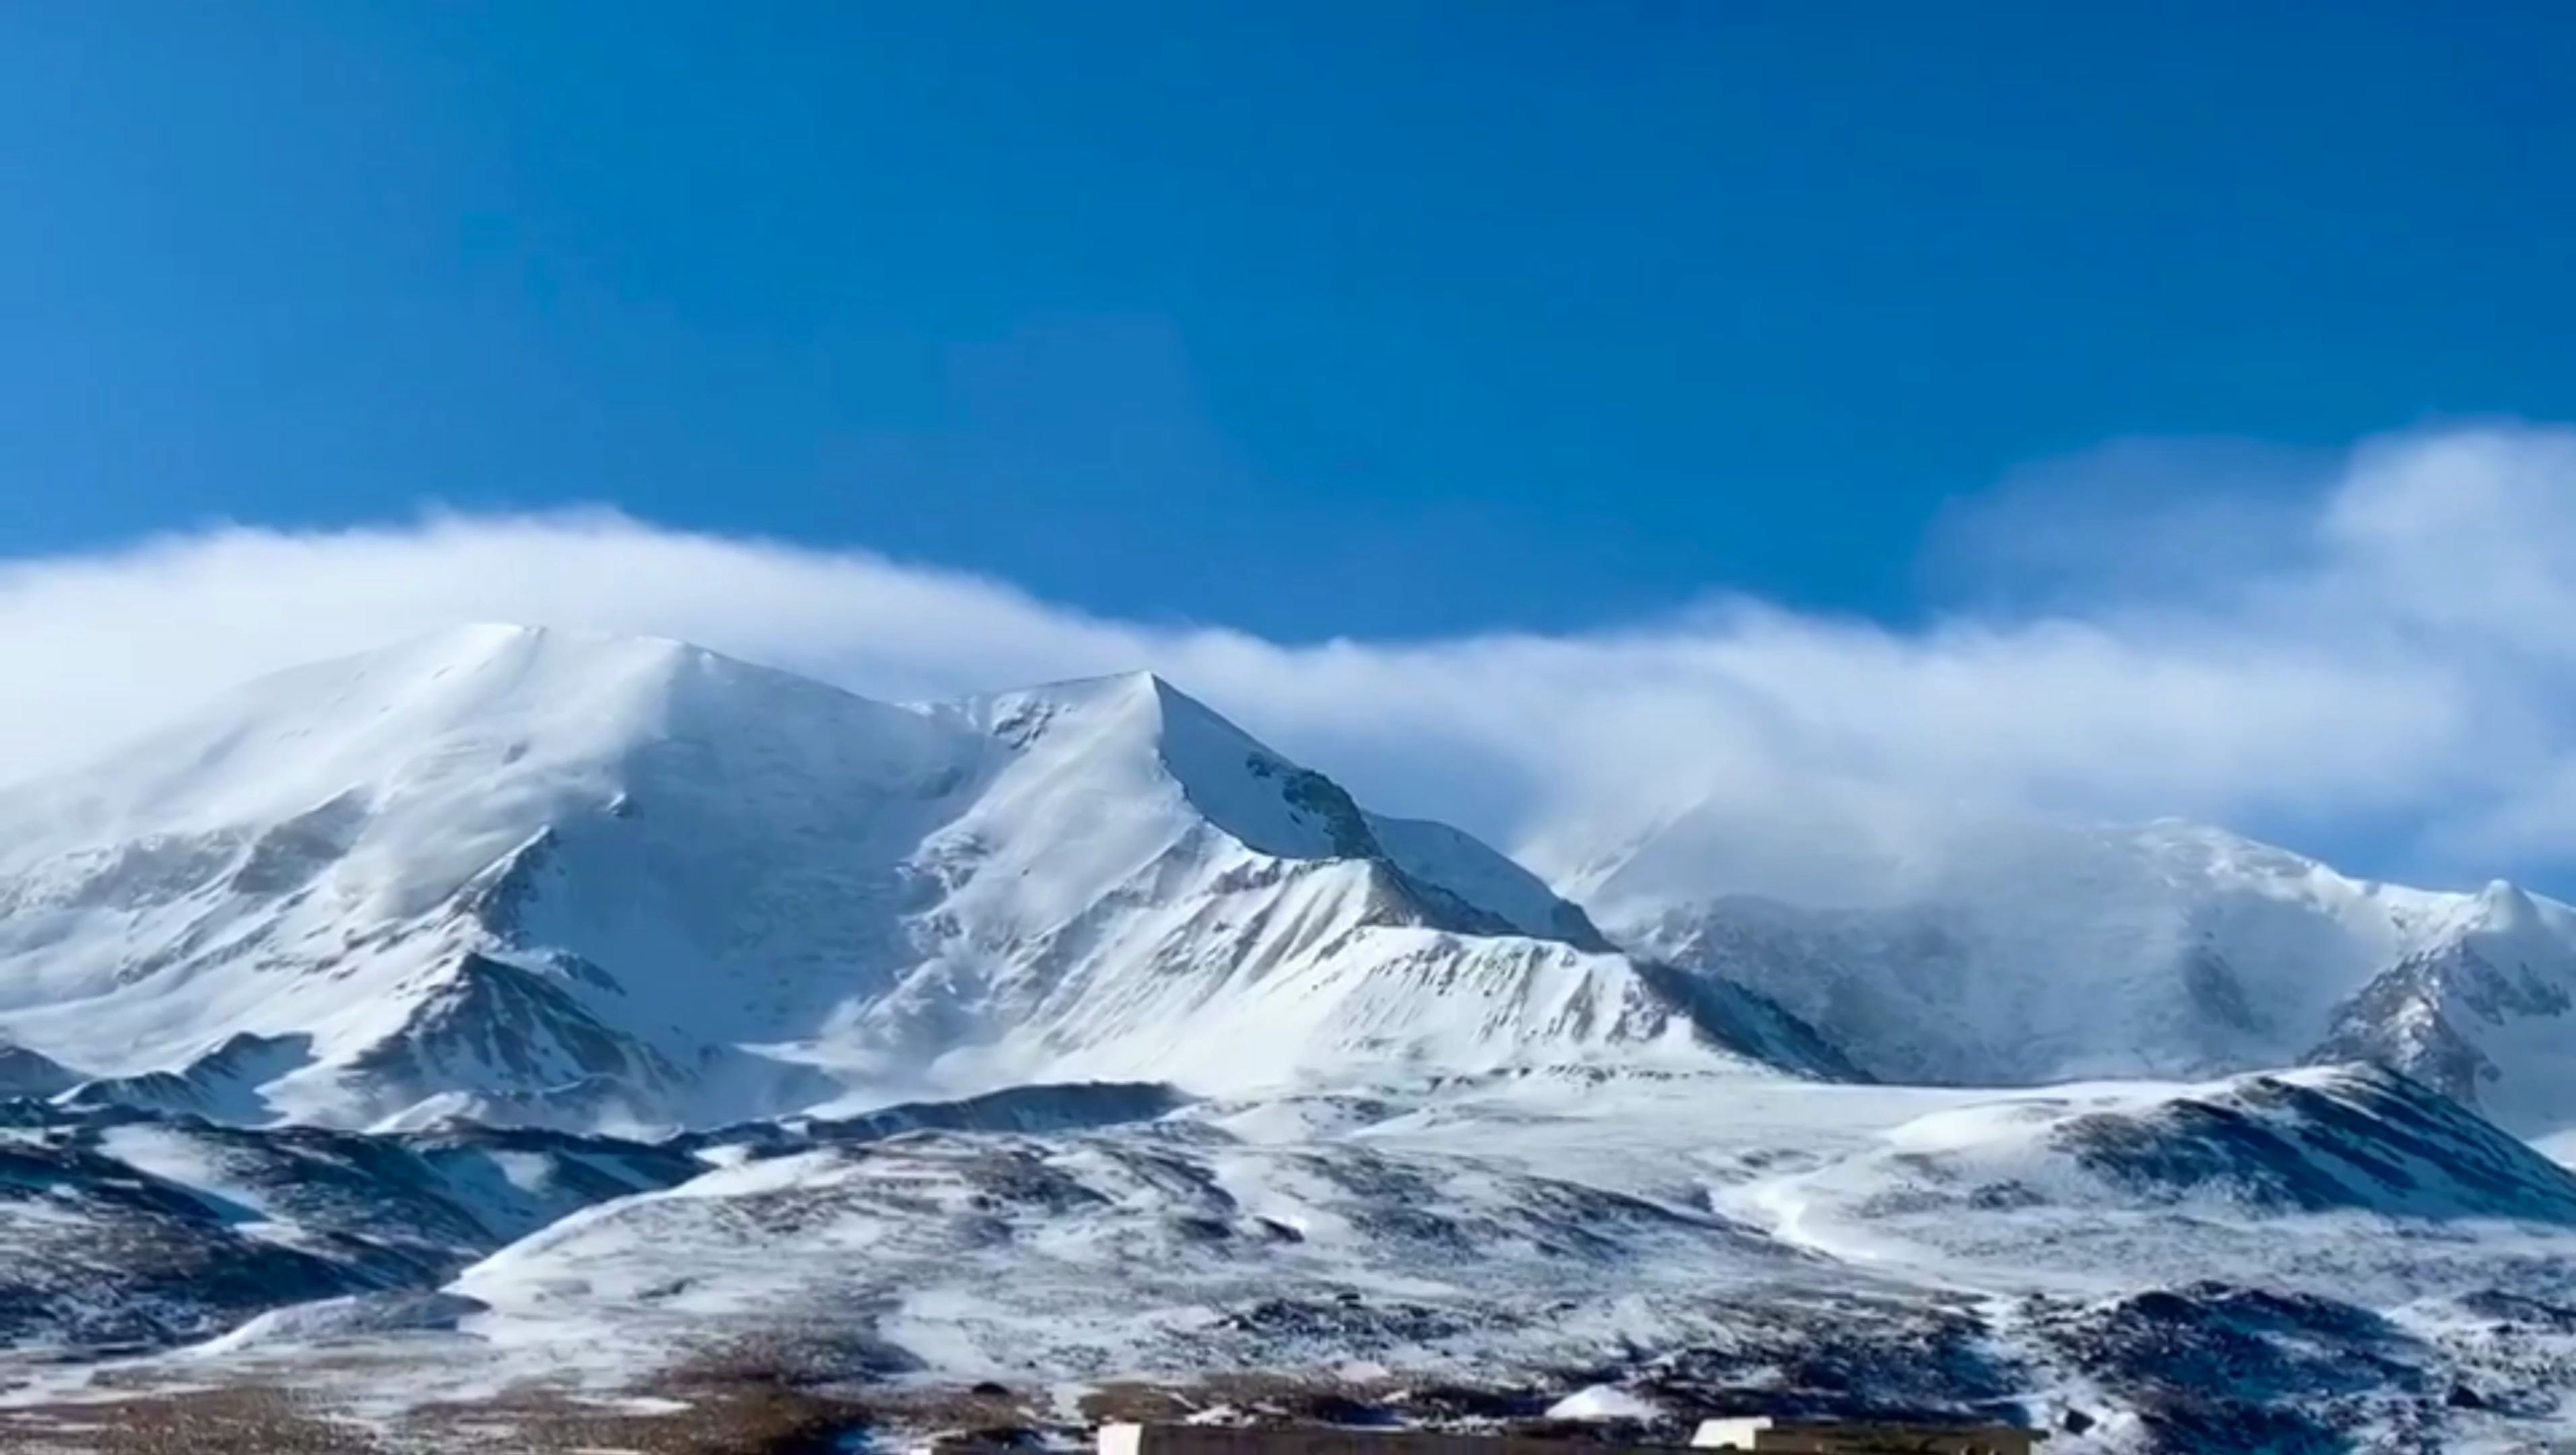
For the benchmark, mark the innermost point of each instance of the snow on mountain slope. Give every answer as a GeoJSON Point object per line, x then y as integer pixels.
{"type": "Point", "coordinates": [2479, 1008]}
{"type": "Point", "coordinates": [129, 1227]}
{"type": "Point", "coordinates": [330, 854]}
{"type": "Point", "coordinates": [145, 1226]}
{"type": "Point", "coordinates": [2266, 1262]}
{"type": "Point", "coordinates": [2348, 1184]}
{"type": "Point", "coordinates": [2086, 1186]}
{"type": "Point", "coordinates": [2318, 1140]}
{"type": "Point", "coordinates": [1437, 855]}
{"type": "Point", "coordinates": [1041, 1107]}
{"type": "Point", "coordinates": [28, 1073]}
{"type": "Point", "coordinates": [593, 880]}
{"type": "Point", "coordinates": [1153, 1250]}
{"type": "Point", "coordinates": [223, 1084]}
{"type": "Point", "coordinates": [1230, 919]}
{"type": "Point", "coordinates": [2028, 952]}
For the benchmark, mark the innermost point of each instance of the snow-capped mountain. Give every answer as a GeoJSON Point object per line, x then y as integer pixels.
{"type": "Point", "coordinates": [2477, 1007]}
{"type": "Point", "coordinates": [1264, 1097]}
{"type": "Point", "coordinates": [2027, 952]}
{"type": "Point", "coordinates": [519, 873]}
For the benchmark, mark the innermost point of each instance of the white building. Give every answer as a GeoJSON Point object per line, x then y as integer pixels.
{"type": "Point", "coordinates": [1736, 1434]}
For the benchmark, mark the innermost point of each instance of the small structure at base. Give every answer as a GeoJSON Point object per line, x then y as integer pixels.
{"type": "Point", "coordinates": [1761, 1434]}
{"type": "Point", "coordinates": [1121, 1439]}
{"type": "Point", "coordinates": [1757, 1435]}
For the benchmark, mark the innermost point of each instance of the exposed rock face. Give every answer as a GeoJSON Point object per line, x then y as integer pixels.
{"type": "Point", "coordinates": [130, 1226]}
{"type": "Point", "coordinates": [2427, 1014]}
{"type": "Point", "coordinates": [2364, 1140]}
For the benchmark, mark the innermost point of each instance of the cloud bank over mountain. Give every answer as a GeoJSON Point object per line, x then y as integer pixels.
{"type": "Point", "coordinates": [2376, 648]}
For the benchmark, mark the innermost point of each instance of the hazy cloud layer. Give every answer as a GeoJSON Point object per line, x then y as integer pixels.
{"type": "Point", "coordinates": [2383, 645]}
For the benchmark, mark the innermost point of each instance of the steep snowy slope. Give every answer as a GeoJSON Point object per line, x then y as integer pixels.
{"type": "Point", "coordinates": [2325, 1259]}
{"type": "Point", "coordinates": [2478, 1007]}
{"type": "Point", "coordinates": [2027, 951]}
{"type": "Point", "coordinates": [543, 875]}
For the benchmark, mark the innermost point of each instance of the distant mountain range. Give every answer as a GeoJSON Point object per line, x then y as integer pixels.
{"type": "Point", "coordinates": [2049, 951]}
{"type": "Point", "coordinates": [521, 1002]}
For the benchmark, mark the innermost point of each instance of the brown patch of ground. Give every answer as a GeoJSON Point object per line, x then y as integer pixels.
{"type": "Point", "coordinates": [246, 1421]}
{"type": "Point", "coordinates": [719, 1420]}
{"type": "Point", "coordinates": [734, 1399]}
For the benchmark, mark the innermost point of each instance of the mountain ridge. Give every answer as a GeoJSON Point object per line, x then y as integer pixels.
{"type": "Point", "coordinates": [505, 863]}
{"type": "Point", "coordinates": [519, 1002]}
{"type": "Point", "coordinates": [2052, 951]}
{"type": "Point", "coordinates": [644, 883]}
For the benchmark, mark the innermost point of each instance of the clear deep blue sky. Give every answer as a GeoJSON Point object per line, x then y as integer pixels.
{"type": "Point", "coordinates": [1310, 318]}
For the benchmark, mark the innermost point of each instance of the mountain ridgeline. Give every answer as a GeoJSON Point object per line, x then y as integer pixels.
{"type": "Point", "coordinates": [535, 876]}
{"type": "Point", "coordinates": [530, 875]}
{"type": "Point", "coordinates": [525, 1003]}
{"type": "Point", "coordinates": [2044, 952]}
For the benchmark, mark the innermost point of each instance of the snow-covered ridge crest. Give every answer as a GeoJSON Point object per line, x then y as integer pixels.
{"type": "Point", "coordinates": [609, 880]}
{"type": "Point", "coordinates": [1273, 806]}
{"type": "Point", "coordinates": [2028, 951]}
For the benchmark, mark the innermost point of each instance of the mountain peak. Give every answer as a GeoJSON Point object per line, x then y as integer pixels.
{"type": "Point", "coordinates": [1141, 690]}
{"type": "Point", "coordinates": [669, 860]}
{"type": "Point", "coordinates": [2505, 906]}
{"type": "Point", "coordinates": [2512, 924]}
{"type": "Point", "coordinates": [492, 704]}
{"type": "Point", "coordinates": [1139, 723]}
{"type": "Point", "coordinates": [469, 645]}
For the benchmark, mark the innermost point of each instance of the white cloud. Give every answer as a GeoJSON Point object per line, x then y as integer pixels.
{"type": "Point", "coordinates": [2399, 646]}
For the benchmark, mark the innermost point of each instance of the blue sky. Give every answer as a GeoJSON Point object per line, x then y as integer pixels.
{"type": "Point", "coordinates": [1314, 320]}
{"type": "Point", "coordinates": [1538, 416]}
